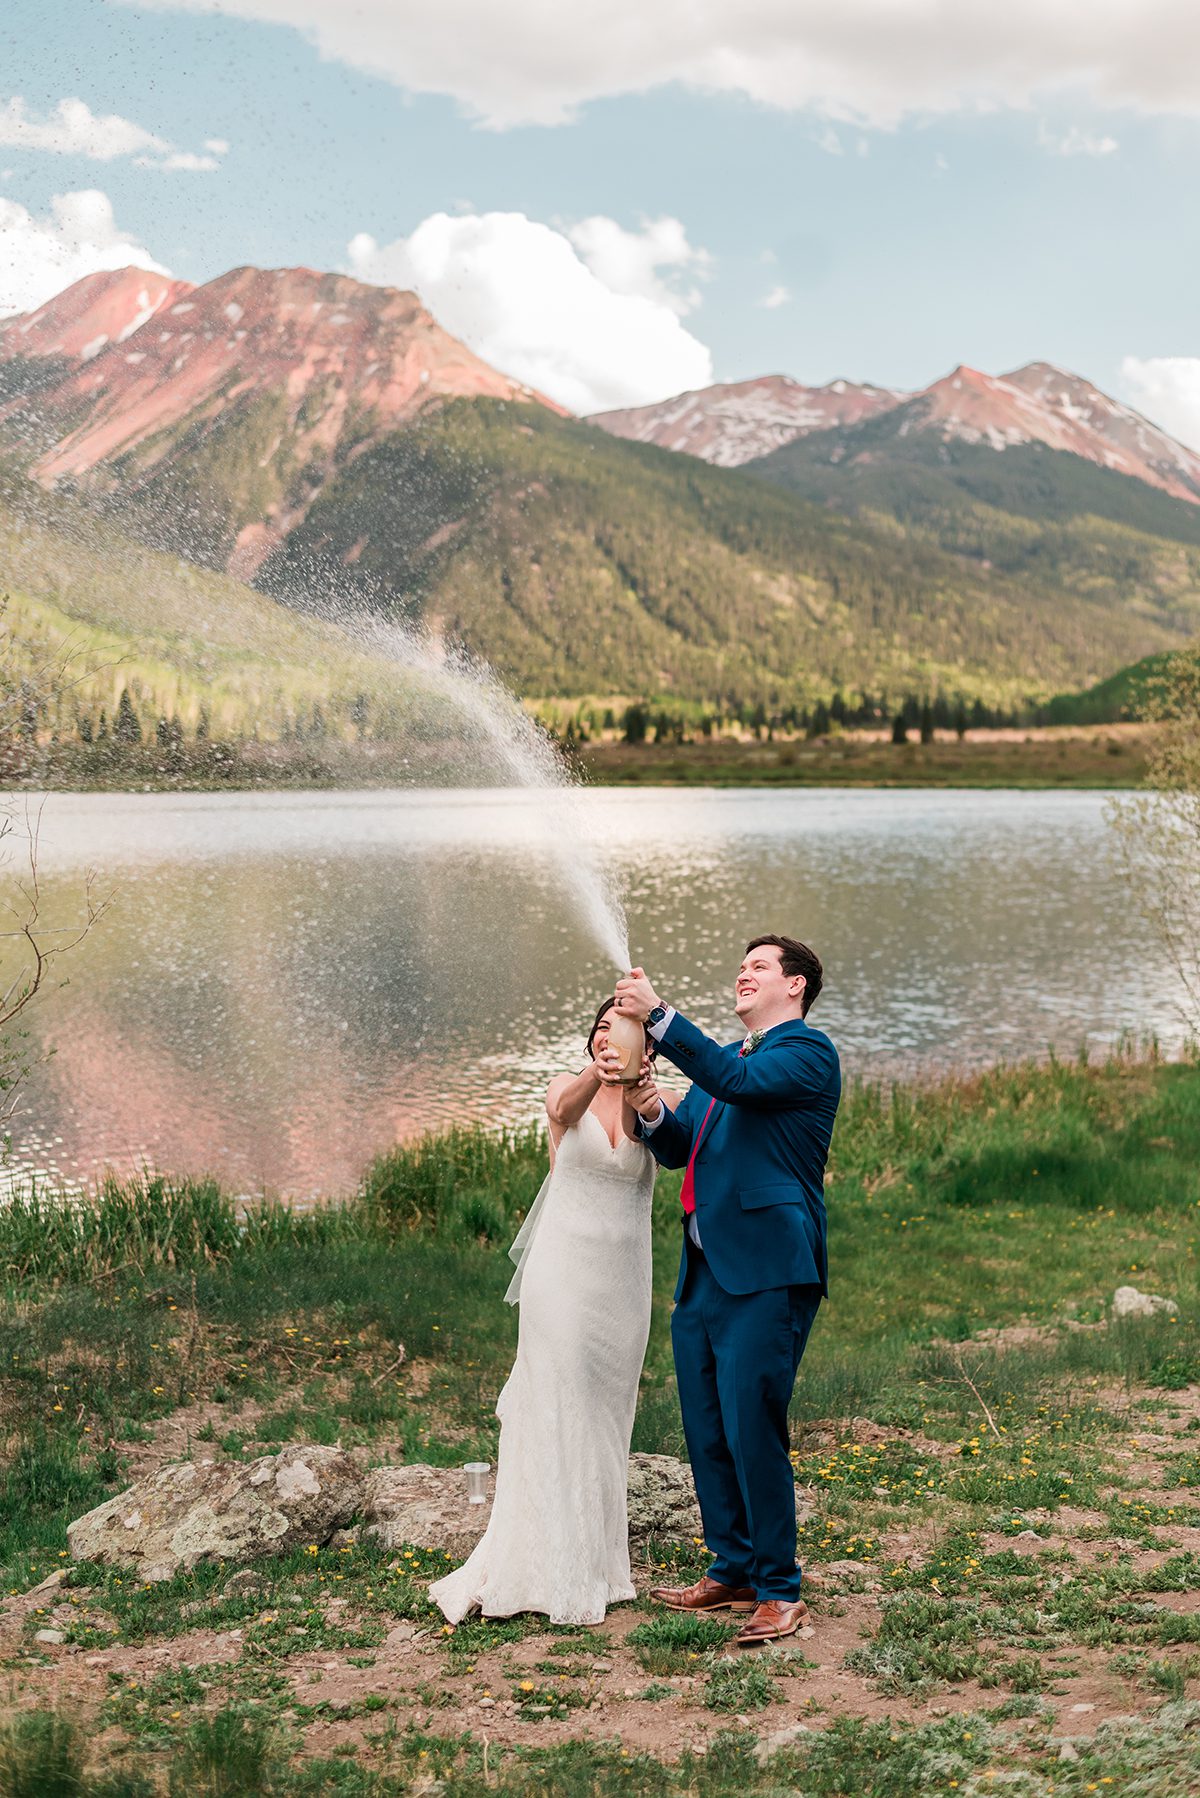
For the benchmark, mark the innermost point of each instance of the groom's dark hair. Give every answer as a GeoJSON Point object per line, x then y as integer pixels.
{"type": "Point", "coordinates": [795, 958]}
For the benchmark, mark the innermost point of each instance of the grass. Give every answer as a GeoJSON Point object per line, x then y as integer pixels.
{"type": "Point", "coordinates": [412, 753]}
{"type": "Point", "coordinates": [1015, 1201]}
{"type": "Point", "coordinates": [1106, 756]}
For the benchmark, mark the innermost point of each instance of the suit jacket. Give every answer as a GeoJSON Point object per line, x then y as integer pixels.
{"type": "Point", "coordinates": [759, 1173]}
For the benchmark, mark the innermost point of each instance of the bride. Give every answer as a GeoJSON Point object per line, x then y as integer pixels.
{"type": "Point", "coordinates": [558, 1540]}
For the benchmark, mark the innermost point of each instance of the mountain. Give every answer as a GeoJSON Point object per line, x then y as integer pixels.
{"type": "Point", "coordinates": [1044, 521]}
{"type": "Point", "coordinates": [98, 310]}
{"type": "Point", "coordinates": [736, 422]}
{"type": "Point", "coordinates": [1043, 404]}
{"type": "Point", "coordinates": [733, 425]}
{"type": "Point", "coordinates": [215, 429]}
{"type": "Point", "coordinates": [580, 564]}
{"type": "Point", "coordinates": [329, 441]}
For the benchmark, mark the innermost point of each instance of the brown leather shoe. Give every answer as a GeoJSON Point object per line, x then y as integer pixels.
{"type": "Point", "coordinates": [706, 1595]}
{"type": "Point", "coordinates": [773, 1619]}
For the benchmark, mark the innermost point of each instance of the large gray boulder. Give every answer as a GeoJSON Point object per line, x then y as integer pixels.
{"type": "Point", "coordinates": [662, 1501]}
{"type": "Point", "coordinates": [427, 1507]}
{"type": "Point", "coordinates": [232, 1511]}
{"type": "Point", "coordinates": [1127, 1301]}
{"type": "Point", "coordinates": [423, 1507]}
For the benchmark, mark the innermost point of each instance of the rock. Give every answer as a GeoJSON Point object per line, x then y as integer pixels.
{"type": "Point", "coordinates": [662, 1500]}
{"type": "Point", "coordinates": [403, 1632]}
{"type": "Point", "coordinates": [487, 1704]}
{"type": "Point", "coordinates": [51, 1636]}
{"type": "Point", "coordinates": [185, 1514]}
{"type": "Point", "coordinates": [1129, 1302]}
{"type": "Point", "coordinates": [780, 1738]}
{"type": "Point", "coordinates": [1082, 1709]}
{"type": "Point", "coordinates": [245, 1583]}
{"type": "Point", "coordinates": [600, 1667]}
{"type": "Point", "coordinates": [426, 1507]}
{"type": "Point", "coordinates": [1068, 1752]}
{"type": "Point", "coordinates": [48, 1584]}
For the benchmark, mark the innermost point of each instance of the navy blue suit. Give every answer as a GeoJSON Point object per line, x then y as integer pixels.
{"type": "Point", "coordinates": [745, 1305]}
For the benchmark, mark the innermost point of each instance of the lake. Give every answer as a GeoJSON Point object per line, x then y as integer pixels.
{"type": "Point", "coordinates": [286, 983]}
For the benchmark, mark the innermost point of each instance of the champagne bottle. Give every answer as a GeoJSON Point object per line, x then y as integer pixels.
{"type": "Point", "coordinates": [628, 1037]}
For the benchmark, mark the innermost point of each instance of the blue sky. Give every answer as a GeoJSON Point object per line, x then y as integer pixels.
{"type": "Point", "coordinates": [902, 218]}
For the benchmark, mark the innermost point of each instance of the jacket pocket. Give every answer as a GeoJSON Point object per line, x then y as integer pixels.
{"type": "Point", "coordinates": [754, 1198]}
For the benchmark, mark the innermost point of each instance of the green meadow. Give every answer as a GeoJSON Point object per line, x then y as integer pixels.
{"type": "Point", "coordinates": [997, 1476]}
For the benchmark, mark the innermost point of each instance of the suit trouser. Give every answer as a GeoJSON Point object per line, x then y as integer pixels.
{"type": "Point", "coordinates": [736, 1356]}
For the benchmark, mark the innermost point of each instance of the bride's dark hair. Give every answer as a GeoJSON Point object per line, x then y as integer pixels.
{"type": "Point", "coordinates": [608, 1005]}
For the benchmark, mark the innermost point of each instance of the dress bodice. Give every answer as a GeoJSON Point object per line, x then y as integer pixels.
{"type": "Point", "coordinates": [586, 1151]}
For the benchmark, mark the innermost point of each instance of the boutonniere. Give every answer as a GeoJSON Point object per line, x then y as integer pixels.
{"type": "Point", "coordinates": [752, 1041]}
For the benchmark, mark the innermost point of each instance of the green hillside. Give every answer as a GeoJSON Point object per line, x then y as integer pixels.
{"type": "Point", "coordinates": [1124, 695]}
{"type": "Point", "coordinates": [1060, 526]}
{"type": "Point", "coordinates": [89, 614]}
{"type": "Point", "coordinates": [580, 564]}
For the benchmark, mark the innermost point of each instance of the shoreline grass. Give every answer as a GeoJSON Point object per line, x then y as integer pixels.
{"type": "Point", "coordinates": [964, 1388]}
{"type": "Point", "coordinates": [1101, 757]}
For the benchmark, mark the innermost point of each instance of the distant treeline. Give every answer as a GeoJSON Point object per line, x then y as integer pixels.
{"type": "Point", "coordinates": [911, 716]}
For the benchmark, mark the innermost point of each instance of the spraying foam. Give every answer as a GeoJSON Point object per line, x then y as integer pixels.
{"type": "Point", "coordinates": [492, 719]}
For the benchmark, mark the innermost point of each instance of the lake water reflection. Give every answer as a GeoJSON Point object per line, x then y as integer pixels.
{"type": "Point", "coordinates": [286, 983]}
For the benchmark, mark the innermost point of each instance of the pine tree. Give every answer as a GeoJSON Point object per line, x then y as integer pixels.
{"type": "Point", "coordinates": [126, 728]}
{"type": "Point", "coordinates": [636, 722]}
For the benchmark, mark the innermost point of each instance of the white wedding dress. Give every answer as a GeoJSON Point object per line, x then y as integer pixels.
{"type": "Point", "coordinates": [558, 1538]}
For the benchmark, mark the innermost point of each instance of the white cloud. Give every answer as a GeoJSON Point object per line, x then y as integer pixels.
{"type": "Point", "coordinates": [218, 145]}
{"type": "Point", "coordinates": [1076, 142]}
{"type": "Point", "coordinates": [41, 256]}
{"type": "Point", "coordinates": [519, 294]}
{"type": "Point", "coordinates": [775, 296]}
{"type": "Point", "coordinates": [630, 261]}
{"type": "Point", "coordinates": [830, 142]}
{"type": "Point", "coordinates": [871, 62]}
{"type": "Point", "coordinates": [73, 129]}
{"type": "Point", "coordinates": [1167, 389]}
{"type": "Point", "coordinates": [181, 159]}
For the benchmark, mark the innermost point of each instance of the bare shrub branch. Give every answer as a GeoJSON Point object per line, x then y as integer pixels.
{"type": "Point", "coordinates": [1158, 830]}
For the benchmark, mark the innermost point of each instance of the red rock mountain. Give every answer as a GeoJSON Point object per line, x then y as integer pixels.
{"type": "Point", "coordinates": [741, 420]}
{"type": "Point", "coordinates": [1039, 403]}
{"type": "Point", "coordinates": [256, 387]}
{"type": "Point", "coordinates": [86, 317]}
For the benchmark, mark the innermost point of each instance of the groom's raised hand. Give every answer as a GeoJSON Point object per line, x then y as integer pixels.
{"type": "Point", "coordinates": [645, 1098]}
{"type": "Point", "coordinates": [636, 996]}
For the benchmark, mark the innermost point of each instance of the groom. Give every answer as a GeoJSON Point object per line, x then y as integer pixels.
{"type": "Point", "coordinates": [753, 1134]}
